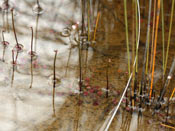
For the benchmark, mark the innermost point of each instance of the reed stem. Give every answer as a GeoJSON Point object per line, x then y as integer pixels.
{"type": "Point", "coordinates": [96, 26]}
{"type": "Point", "coordinates": [31, 59]}
{"type": "Point", "coordinates": [53, 102]}
{"type": "Point", "coordinates": [3, 19]}
{"type": "Point", "coordinates": [80, 67]}
{"type": "Point", "coordinates": [16, 56]}
{"type": "Point", "coordinates": [3, 45]}
{"type": "Point", "coordinates": [169, 36]}
{"type": "Point", "coordinates": [68, 61]}
{"type": "Point", "coordinates": [168, 126]}
{"type": "Point", "coordinates": [147, 57]}
{"type": "Point", "coordinates": [153, 35]}
{"type": "Point", "coordinates": [88, 20]}
{"type": "Point", "coordinates": [7, 20]}
{"type": "Point", "coordinates": [167, 113]}
{"type": "Point", "coordinates": [163, 34]}
{"type": "Point", "coordinates": [83, 11]}
{"type": "Point", "coordinates": [136, 14]}
{"type": "Point", "coordinates": [147, 45]}
{"type": "Point", "coordinates": [37, 1]}
{"type": "Point", "coordinates": [36, 32]}
{"type": "Point", "coordinates": [13, 63]}
{"type": "Point", "coordinates": [168, 80]}
{"type": "Point", "coordinates": [155, 44]}
{"type": "Point", "coordinates": [172, 94]}
{"type": "Point", "coordinates": [133, 51]}
{"type": "Point", "coordinates": [86, 61]}
{"type": "Point", "coordinates": [127, 39]}
{"type": "Point", "coordinates": [31, 40]}
{"type": "Point", "coordinates": [54, 69]}
{"type": "Point", "coordinates": [14, 28]}
{"type": "Point", "coordinates": [107, 78]}
{"type": "Point", "coordinates": [54, 82]}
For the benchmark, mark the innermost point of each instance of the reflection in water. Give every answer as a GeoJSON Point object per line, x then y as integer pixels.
{"type": "Point", "coordinates": [13, 69]}
{"type": "Point", "coordinates": [54, 83]}
{"type": "Point", "coordinates": [5, 44]}
{"type": "Point", "coordinates": [134, 122]}
{"type": "Point", "coordinates": [5, 9]}
{"type": "Point", "coordinates": [86, 60]}
{"type": "Point", "coordinates": [67, 65]}
{"type": "Point", "coordinates": [36, 31]}
{"type": "Point", "coordinates": [31, 54]}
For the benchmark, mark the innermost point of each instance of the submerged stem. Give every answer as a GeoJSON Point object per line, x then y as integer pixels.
{"type": "Point", "coordinates": [4, 46]}
{"type": "Point", "coordinates": [13, 63]}
{"type": "Point", "coordinates": [80, 67]}
{"type": "Point", "coordinates": [54, 70]}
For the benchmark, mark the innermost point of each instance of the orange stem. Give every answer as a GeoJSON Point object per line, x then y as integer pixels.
{"type": "Point", "coordinates": [172, 93]}
{"type": "Point", "coordinates": [153, 31]}
{"type": "Point", "coordinates": [98, 16]}
{"type": "Point", "coordinates": [155, 44]}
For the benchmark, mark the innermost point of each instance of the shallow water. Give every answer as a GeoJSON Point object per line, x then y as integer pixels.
{"type": "Point", "coordinates": [29, 109]}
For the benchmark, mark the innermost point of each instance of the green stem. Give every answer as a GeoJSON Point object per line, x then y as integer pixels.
{"type": "Point", "coordinates": [163, 34]}
{"type": "Point", "coordinates": [136, 38]}
{"type": "Point", "coordinates": [169, 36]}
{"type": "Point", "coordinates": [146, 46]}
{"type": "Point", "coordinates": [127, 40]}
{"type": "Point", "coordinates": [89, 20]}
{"type": "Point", "coordinates": [147, 57]}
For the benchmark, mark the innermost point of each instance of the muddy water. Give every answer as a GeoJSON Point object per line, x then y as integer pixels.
{"type": "Point", "coordinates": [31, 109]}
